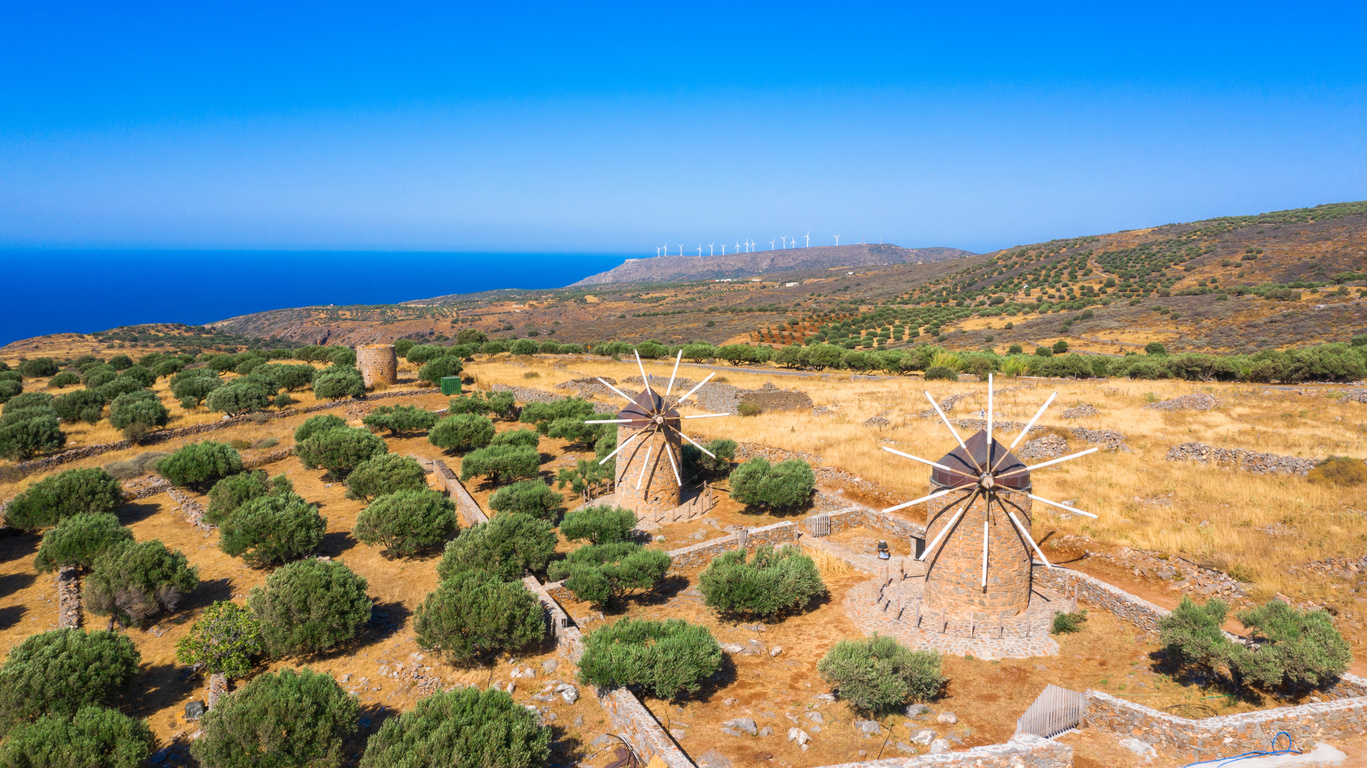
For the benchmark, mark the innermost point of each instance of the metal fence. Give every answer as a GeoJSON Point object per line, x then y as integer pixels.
{"type": "Point", "coordinates": [1057, 710]}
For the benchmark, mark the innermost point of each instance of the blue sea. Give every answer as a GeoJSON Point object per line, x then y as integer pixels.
{"type": "Point", "coordinates": [81, 291]}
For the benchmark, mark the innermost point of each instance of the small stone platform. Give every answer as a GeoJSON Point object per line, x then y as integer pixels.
{"type": "Point", "coordinates": [893, 606]}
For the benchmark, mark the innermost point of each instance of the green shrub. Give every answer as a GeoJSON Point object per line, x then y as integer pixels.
{"type": "Point", "coordinates": [526, 438]}
{"type": "Point", "coordinates": [528, 497]}
{"type": "Point", "coordinates": [310, 606]}
{"type": "Point", "coordinates": [666, 658]}
{"type": "Point", "coordinates": [78, 540]}
{"type": "Point", "coordinates": [98, 376]}
{"type": "Point", "coordinates": [59, 671]}
{"type": "Point", "coordinates": [1297, 650]}
{"type": "Point", "coordinates": [423, 353]}
{"type": "Point", "coordinates": [11, 389]}
{"type": "Point", "coordinates": [340, 451]}
{"type": "Point", "coordinates": [877, 674]}
{"type": "Point", "coordinates": [407, 522]}
{"type": "Point", "coordinates": [1068, 623]}
{"type": "Point", "coordinates": [29, 432]}
{"type": "Point", "coordinates": [585, 477]}
{"type": "Point", "coordinates": [285, 719]}
{"type": "Point", "coordinates": [1339, 470]}
{"type": "Point", "coordinates": [120, 362]}
{"type": "Point", "coordinates": [599, 524]}
{"type": "Point", "coordinates": [401, 346]}
{"type": "Point", "coordinates": [333, 383]}
{"type": "Point", "coordinates": [1192, 639]}
{"type": "Point", "coordinates": [166, 368]}
{"type": "Point", "coordinates": [783, 486]}
{"type": "Point", "coordinates": [290, 377]}
{"type": "Point", "coordinates": [383, 474]}
{"type": "Point", "coordinates": [940, 372]}
{"type": "Point", "coordinates": [434, 371]}
{"type": "Point", "coordinates": [120, 386]}
{"type": "Point", "coordinates": [400, 418]}
{"type": "Point", "coordinates": [64, 379]}
{"type": "Point", "coordinates": [82, 405]}
{"type": "Point", "coordinates": [200, 464]}
{"type": "Point", "coordinates": [136, 582]}
{"type": "Point", "coordinates": [471, 403]}
{"type": "Point", "coordinates": [718, 464]}
{"type": "Point", "coordinates": [462, 432]}
{"type": "Point", "coordinates": [194, 385]}
{"type": "Point", "coordinates": [316, 424]}
{"type": "Point", "coordinates": [544, 414]}
{"type": "Point", "coordinates": [224, 641]}
{"type": "Point", "coordinates": [235, 490]}
{"type": "Point", "coordinates": [508, 546]}
{"type": "Point", "coordinates": [239, 397]}
{"type": "Point", "coordinates": [96, 737]}
{"type": "Point", "coordinates": [466, 726]}
{"type": "Point", "coordinates": [142, 464]}
{"type": "Point", "coordinates": [40, 400]}
{"type": "Point", "coordinates": [39, 367]}
{"type": "Point", "coordinates": [575, 431]}
{"type": "Point", "coordinates": [771, 582]}
{"type": "Point", "coordinates": [137, 412]}
{"type": "Point", "coordinates": [604, 573]}
{"type": "Point", "coordinates": [500, 463]}
{"type": "Point", "coordinates": [474, 614]}
{"type": "Point", "coordinates": [272, 529]}
{"type": "Point", "coordinates": [65, 494]}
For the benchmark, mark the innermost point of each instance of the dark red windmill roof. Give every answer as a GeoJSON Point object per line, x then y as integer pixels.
{"type": "Point", "coordinates": [646, 404]}
{"type": "Point", "coordinates": [974, 461]}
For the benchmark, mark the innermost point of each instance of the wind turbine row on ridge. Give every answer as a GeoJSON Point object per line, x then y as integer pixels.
{"type": "Point", "coordinates": [787, 242]}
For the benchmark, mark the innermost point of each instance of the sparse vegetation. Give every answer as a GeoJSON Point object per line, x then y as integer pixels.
{"type": "Point", "coordinates": [878, 675]}
{"type": "Point", "coordinates": [669, 659]}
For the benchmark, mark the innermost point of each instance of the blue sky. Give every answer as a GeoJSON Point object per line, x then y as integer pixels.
{"type": "Point", "coordinates": [617, 128]}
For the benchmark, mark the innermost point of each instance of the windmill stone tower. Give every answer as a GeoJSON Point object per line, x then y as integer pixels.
{"type": "Point", "coordinates": [647, 479]}
{"type": "Point", "coordinates": [983, 567]}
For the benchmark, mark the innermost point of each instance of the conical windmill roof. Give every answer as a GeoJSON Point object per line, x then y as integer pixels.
{"type": "Point", "coordinates": [643, 408]}
{"type": "Point", "coordinates": [975, 461]}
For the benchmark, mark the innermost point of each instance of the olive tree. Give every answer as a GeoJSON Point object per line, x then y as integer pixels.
{"type": "Point", "coordinates": [200, 464]}
{"type": "Point", "coordinates": [474, 614]}
{"type": "Point", "coordinates": [508, 546]}
{"type": "Point", "coordinates": [239, 397]}
{"type": "Point", "coordinates": [137, 413]}
{"type": "Point", "coordinates": [399, 419]}
{"type": "Point", "coordinates": [224, 641]}
{"type": "Point", "coordinates": [500, 463]}
{"type": "Point", "coordinates": [386, 473]}
{"type": "Point", "coordinates": [94, 737]}
{"type": "Point", "coordinates": [407, 522]}
{"type": "Point", "coordinates": [77, 540]}
{"type": "Point", "coordinates": [877, 674]}
{"type": "Point", "coordinates": [434, 371]}
{"type": "Point", "coordinates": [529, 497]}
{"type": "Point", "coordinates": [235, 490]}
{"type": "Point", "coordinates": [466, 726]}
{"type": "Point", "coordinates": [59, 671]}
{"type": "Point", "coordinates": [65, 494]}
{"type": "Point", "coordinates": [310, 606]}
{"type": "Point", "coordinates": [599, 524]}
{"type": "Point", "coordinates": [334, 383]}
{"type": "Point", "coordinates": [771, 582]}
{"type": "Point", "coordinates": [82, 405]}
{"type": "Point", "coordinates": [779, 487]}
{"type": "Point", "coordinates": [604, 573]}
{"type": "Point", "coordinates": [27, 432]}
{"type": "Point", "coordinates": [340, 451]}
{"type": "Point", "coordinates": [669, 659]}
{"type": "Point", "coordinates": [272, 529]}
{"type": "Point", "coordinates": [315, 424]}
{"type": "Point", "coordinates": [286, 719]}
{"type": "Point", "coordinates": [462, 432]}
{"type": "Point", "coordinates": [193, 385]}
{"type": "Point", "coordinates": [136, 582]}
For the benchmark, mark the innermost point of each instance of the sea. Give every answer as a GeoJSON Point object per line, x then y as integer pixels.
{"type": "Point", "coordinates": [82, 291]}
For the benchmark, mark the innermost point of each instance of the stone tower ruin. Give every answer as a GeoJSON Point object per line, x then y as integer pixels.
{"type": "Point", "coordinates": [379, 365]}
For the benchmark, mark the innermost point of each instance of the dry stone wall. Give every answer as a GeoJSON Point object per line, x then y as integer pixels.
{"type": "Point", "coordinates": [68, 597]}
{"type": "Point", "coordinates": [1256, 462]}
{"type": "Point", "coordinates": [466, 507]}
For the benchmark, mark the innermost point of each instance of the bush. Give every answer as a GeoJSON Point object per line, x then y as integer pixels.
{"type": "Point", "coordinates": [525, 438]}
{"type": "Point", "coordinates": [194, 385]}
{"type": "Point", "coordinates": [11, 389]}
{"type": "Point", "coordinates": [272, 529]}
{"type": "Point", "coordinates": [136, 582]}
{"type": "Point", "coordinates": [200, 464]}
{"type": "Point", "coordinates": [137, 412]}
{"type": "Point", "coordinates": [423, 353]}
{"type": "Point", "coordinates": [462, 432]}
{"type": "Point", "coordinates": [1192, 638]}
{"type": "Point", "coordinates": [400, 418]}
{"type": "Point", "coordinates": [1155, 348]}
{"type": "Point", "coordinates": [235, 490]}
{"type": "Point", "coordinates": [603, 573]}
{"type": "Point", "coordinates": [82, 405]}
{"type": "Point", "coordinates": [1297, 650]}
{"type": "Point", "coordinates": [599, 524]}
{"type": "Point", "coordinates": [1338, 470]}
{"type": "Point", "coordinates": [120, 386]}
{"type": "Point", "coordinates": [120, 362]}
{"type": "Point", "coordinates": [224, 641]}
{"type": "Point", "coordinates": [718, 464]}
{"type": "Point", "coordinates": [1068, 623]}
{"type": "Point", "coordinates": [434, 371]}
{"type": "Point", "coordinates": [528, 497]}
{"type": "Point", "coordinates": [771, 582]}
{"type": "Point", "coordinates": [78, 540]}
{"type": "Point", "coordinates": [310, 606]}
{"type": "Point", "coordinates": [471, 403]}
{"type": "Point", "coordinates": [96, 737]}
{"type": "Point", "coordinates": [142, 464]}
{"type": "Point", "coordinates": [238, 398]}
{"type": "Point", "coordinates": [283, 719]}
{"type": "Point", "coordinates": [29, 432]}
{"type": "Point", "coordinates": [98, 376]}
{"type": "Point", "coordinates": [509, 546]}
{"type": "Point", "coordinates": [940, 372]}
{"type": "Point", "coordinates": [40, 367]}
{"type": "Point", "coordinates": [401, 346]}
{"type": "Point", "coordinates": [574, 431]}
{"type": "Point", "coordinates": [64, 379]}
{"type": "Point", "coordinates": [544, 414]}
{"type": "Point", "coordinates": [340, 451]}
{"type": "Point", "coordinates": [786, 485]}
{"type": "Point", "coordinates": [333, 383]}
{"type": "Point", "coordinates": [165, 368]}
{"type": "Point", "coordinates": [466, 726]}
{"type": "Point", "coordinates": [667, 658]}
{"type": "Point", "coordinates": [290, 377]}
{"type": "Point", "coordinates": [316, 424]}
{"type": "Point", "coordinates": [65, 494]}
{"type": "Point", "coordinates": [143, 376]}
{"type": "Point", "coordinates": [500, 463]}
{"type": "Point", "coordinates": [383, 474]}
{"type": "Point", "coordinates": [474, 614]}
{"type": "Point", "coordinates": [407, 522]}
{"type": "Point", "coordinates": [877, 675]}
{"type": "Point", "coordinates": [59, 671]}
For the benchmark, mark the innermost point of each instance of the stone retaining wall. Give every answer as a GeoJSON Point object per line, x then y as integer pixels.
{"type": "Point", "coordinates": [1089, 589]}
{"type": "Point", "coordinates": [75, 454]}
{"type": "Point", "coordinates": [701, 554]}
{"type": "Point", "coordinates": [68, 597]}
{"type": "Point", "coordinates": [1024, 750]}
{"type": "Point", "coordinates": [466, 507]}
{"type": "Point", "coordinates": [856, 515]}
{"type": "Point", "coordinates": [193, 510]}
{"type": "Point", "coordinates": [1256, 462]}
{"type": "Point", "coordinates": [1214, 737]}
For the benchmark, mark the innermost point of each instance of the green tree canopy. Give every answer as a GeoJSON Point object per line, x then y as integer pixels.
{"type": "Point", "coordinates": [65, 494]}
{"type": "Point", "coordinates": [508, 546]}
{"type": "Point", "coordinates": [473, 614]}
{"type": "Point", "coordinates": [339, 451]}
{"type": "Point", "coordinates": [224, 641]}
{"type": "Point", "coordinates": [59, 671]}
{"type": "Point", "coordinates": [399, 419]}
{"type": "Point", "coordinates": [783, 486]}
{"type": "Point", "coordinates": [771, 582]}
{"type": "Point", "coordinates": [669, 659]}
{"type": "Point", "coordinates": [78, 540]}
{"type": "Point", "coordinates": [95, 737]}
{"type": "Point", "coordinates": [310, 606]}
{"type": "Point", "coordinates": [384, 474]}
{"type": "Point", "coordinates": [466, 726]}
{"type": "Point", "coordinates": [877, 674]}
{"type": "Point", "coordinates": [137, 582]}
{"type": "Point", "coordinates": [200, 464]}
{"type": "Point", "coordinates": [603, 573]}
{"type": "Point", "coordinates": [272, 529]}
{"type": "Point", "coordinates": [528, 497]}
{"type": "Point", "coordinates": [599, 524]}
{"type": "Point", "coordinates": [407, 522]}
{"type": "Point", "coordinates": [286, 719]}
{"type": "Point", "coordinates": [500, 463]}
{"type": "Point", "coordinates": [462, 432]}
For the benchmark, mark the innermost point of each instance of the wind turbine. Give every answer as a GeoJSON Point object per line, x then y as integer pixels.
{"type": "Point", "coordinates": [700, 250]}
{"type": "Point", "coordinates": [747, 241]}
{"type": "Point", "coordinates": [771, 244]}
{"type": "Point", "coordinates": [807, 238]}
{"type": "Point", "coordinates": [680, 249]}
{"type": "Point", "coordinates": [784, 239]}
{"type": "Point", "coordinates": [723, 249]}
{"type": "Point", "coordinates": [709, 248]}
{"type": "Point", "coordinates": [837, 239]}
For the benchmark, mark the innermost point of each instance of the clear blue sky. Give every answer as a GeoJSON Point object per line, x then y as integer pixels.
{"type": "Point", "coordinates": [617, 128]}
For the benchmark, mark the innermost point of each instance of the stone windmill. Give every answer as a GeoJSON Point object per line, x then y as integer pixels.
{"type": "Point", "coordinates": [649, 476]}
{"type": "Point", "coordinates": [979, 546]}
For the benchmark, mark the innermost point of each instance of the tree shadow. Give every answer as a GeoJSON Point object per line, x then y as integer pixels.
{"type": "Point", "coordinates": [385, 620]}
{"type": "Point", "coordinates": [336, 542]}
{"type": "Point", "coordinates": [206, 594]}
{"type": "Point", "coordinates": [13, 582]}
{"type": "Point", "coordinates": [15, 545]}
{"type": "Point", "coordinates": [372, 716]}
{"type": "Point", "coordinates": [566, 748]}
{"type": "Point", "coordinates": [156, 685]}
{"type": "Point", "coordinates": [666, 589]}
{"type": "Point", "coordinates": [718, 682]}
{"type": "Point", "coordinates": [136, 512]}
{"type": "Point", "coordinates": [10, 616]}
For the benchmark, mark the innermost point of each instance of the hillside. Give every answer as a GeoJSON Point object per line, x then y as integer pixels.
{"type": "Point", "coordinates": [670, 269]}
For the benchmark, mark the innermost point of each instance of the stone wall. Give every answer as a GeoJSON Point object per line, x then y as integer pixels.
{"type": "Point", "coordinates": [466, 507]}
{"type": "Point", "coordinates": [1256, 462]}
{"type": "Point", "coordinates": [193, 510]}
{"type": "Point", "coordinates": [68, 597]}
{"type": "Point", "coordinates": [1089, 589]}
{"type": "Point", "coordinates": [634, 723]}
{"type": "Point", "coordinates": [75, 454]}
{"type": "Point", "coordinates": [1024, 750]}
{"type": "Point", "coordinates": [696, 506]}
{"type": "Point", "coordinates": [698, 555]}
{"type": "Point", "coordinates": [1214, 737]}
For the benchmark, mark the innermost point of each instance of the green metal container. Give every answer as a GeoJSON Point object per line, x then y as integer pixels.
{"type": "Point", "coordinates": [450, 385]}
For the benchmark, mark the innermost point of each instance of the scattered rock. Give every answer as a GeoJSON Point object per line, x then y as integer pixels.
{"type": "Point", "coordinates": [601, 740]}
{"type": "Point", "coordinates": [868, 727]}
{"type": "Point", "coordinates": [742, 724]}
{"type": "Point", "coordinates": [1257, 462]}
{"type": "Point", "coordinates": [902, 746]}
{"type": "Point", "coordinates": [917, 710]}
{"type": "Point", "coordinates": [194, 711]}
{"type": "Point", "coordinates": [826, 697]}
{"type": "Point", "coordinates": [1081, 410]}
{"type": "Point", "coordinates": [713, 759]}
{"type": "Point", "coordinates": [1198, 401]}
{"type": "Point", "coordinates": [728, 701]}
{"type": "Point", "coordinates": [815, 717]}
{"type": "Point", "coordinates": [1139, 747]}
{"type": "Point", "coordinates": [1051, 446]}
{"type": "Point", "coordinates": [776, 650]}
{"type": "Point", "coordinates": [798, 735]}
{"type": "Point", "coordinates": [568, 692]}
{"type": "Point", "coordinates": [924, 737]}
{"type": "Point", "coordinates": [549, 665]}
{"type": "Point", "coordinates": [766, 731]}
{"type": "Point", "coordinates": [948, 718]}
{"type": "Point", "coordinates": [939, 747]}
